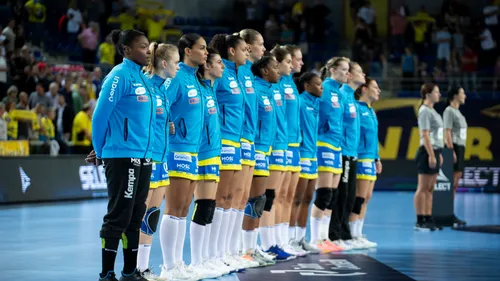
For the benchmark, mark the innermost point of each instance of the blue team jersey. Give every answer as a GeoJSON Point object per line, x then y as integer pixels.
{"type": "Point", "coordinates": [331, 114]}
{"type": "Point", "coordinates": [278, 94]}
{"type": "Point", "coordinates": [368, 144]}
{"type": "Point", "coordinates": [159, 88]}
{"type": "Point", "coordinates": [231, 102]}
{"type": "Point", "coordinates": [187, 106]}
{"type": "Point", "coordinates": [124, 117]}
{"type": "Point", "coordinates": [292, 101]}
{"type": "Point", "coordinates": [350, 126]}
{"type": "Point", "coordinates": [246, 78]}
{"type": "Point", "coordinates": [266, 128]}
{"type": "Point", "coordinates": [309, 118]}
{"type": "Point", "coordinates": [211, 137]}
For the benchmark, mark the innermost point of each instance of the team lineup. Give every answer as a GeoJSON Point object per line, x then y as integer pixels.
{"type": "Point", "coordinates": [227, 123]}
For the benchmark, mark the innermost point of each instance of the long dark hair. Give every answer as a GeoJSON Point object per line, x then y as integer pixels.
{"type": "Point", "coordinates": [187, 41]}
{"type": "Point", "coordinates": [452, 93]}
{"type": "Point", "coordinates": [222, 43]}
{"type": "Point", "coordinates": [279, 52]}
{"type": "Point", "coordinates": [261, 64]}
{"type": "Point", "coordinates": [359, 91]}
{"type": "Point", "coordinates": [201, 70]}
{"type": "Point", "coordinates": [307, 77]}
{"type": "Point", "coordinates": [124, 38]}
{"type": "Point", "coordinates": [426, 88]}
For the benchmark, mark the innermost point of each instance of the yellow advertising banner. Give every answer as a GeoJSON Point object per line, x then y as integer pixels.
{"type": "Point", "coordinates": [14, 148]}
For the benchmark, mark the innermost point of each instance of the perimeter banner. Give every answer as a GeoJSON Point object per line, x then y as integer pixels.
{"type": "Point", "coordinates": [399, 140]}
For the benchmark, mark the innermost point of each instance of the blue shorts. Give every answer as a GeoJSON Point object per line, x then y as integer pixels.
{"type": "Point", "coordinates": [329, 158]}
{"type": "Point", "coordinates": [309, 168]}
{"type": "Point", "coordinates": [277, 160]}
{"type": "Point", "coordinates": [261, 164]}
{"type": "Point", "coordinates": [159, 175]}
{"type": "Point", "coordinates": [247, 153]}
{"type": "Point", "coordinates": [293, 158]}
{"type": "Point", "coordinates": [230, 156]}
{"type": "Point", "coordinates": [209, 169]}
{"type": "Point", "coordinates": [366, 170]}
{"type": "Point", "coordinates": [183, 165]}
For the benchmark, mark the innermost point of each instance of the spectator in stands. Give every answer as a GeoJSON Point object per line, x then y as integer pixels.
{"type": "Point", "coordinates": [39, 96]}
{"type": "Point", "coordinates": [67, 92]}
{"type": "Point", "coordinates": [4, 71]}
{"type": "Point", "coordinates": [106, 54]}
{"type": "Point", "coordinates": [75, 21]}
{"type": "Point", "coordinates": [155, 27]}
{"type": "Point", "coordinates": [11, 95]}
{"type": "Point", "coordinates": [469, 61]}
{"type": "Point", "coordinates": [272, 32]}
{"type": "Point", "coordinates": [3, 123]}
{"type": "Point", "coordinates": [48, 129]}
{"type": "Point", "coordinates": [23, 101]}
{"type": "Point", "coordinates": [443, 39]}
{"type": "Point", "coordinates": [20, 38]}
{"type": "Point", "coordinates": [37, 15]}
{"type": "Point", "coordinates": [88, 40]}
{"type": "Point", "coordinates": [10, 35]}
{"type": "Point", "coordinates": [458, 41]}
{"type": "Point", "coordinates": [52, 95]}
{"type": "Point", "coordinates": [490, 13]}
{"type": "Point", "coordinates": [80, 98]}
{"type": "Point", "coordinates": [63, 123]}
{"type": "Point", "coordinates": [23, 126]}
{"type": "Point", "coordinates": [97, 80]}
{"type": "Point", "coordinates": [367, 14]}
{"type": "Point", "coordinates": [127, 19]}
{"type": "Point", "coordinates": [488, 54]}
{"type": "Point", "coordinates": [398, 29]}
{"type": "Point", "coordinates": [82, 131]}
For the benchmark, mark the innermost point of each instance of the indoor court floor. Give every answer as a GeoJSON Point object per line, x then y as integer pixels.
{"type": "Point", "coordinates": [59, 241]}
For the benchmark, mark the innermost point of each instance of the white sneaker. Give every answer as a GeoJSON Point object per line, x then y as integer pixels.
{"type": "Point", "coordinates": [205, 272]}
{"type": "Point", "coordinates": [249, 263]}
{"type": "Point", "coordinates": [295, 245]}
{"type": "Point", "coordinates": [343, 244]}
{"type": "Point", "coordinates": [217, 266]}
{"type": "Point", "coordinates": [231, 262]}
{"type": "Point", "coordinates": [265, 255]}
{"type": "Point", "coordinates": [356, 245]}
{"type": "Point", "coordinates": [289, 250]}
{"type": "Point", "coordinates": [179, 272]}
{"type": "Point", "coordinates": [368, 243]}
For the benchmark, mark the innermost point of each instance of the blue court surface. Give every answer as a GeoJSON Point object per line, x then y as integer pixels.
{"type": "Point", "coordinates": [60, 241]}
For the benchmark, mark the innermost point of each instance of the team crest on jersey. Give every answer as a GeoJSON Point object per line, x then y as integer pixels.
{"type": "Point", "coordinates": [142, 98]}
{"type": "Point", "coordinates": [290, 96]}
{"type": "Point", "coordinates": [248, 83]}
{"type": "Point", "coordinates": [194, 100]}
{"type": "Point", "coordinates": [250, 90]}
{"type": "Point", "coordinates": [335, 101]}
{"type": "Point", "coordinates": [352, 110]}
{"type": "Point", "coordinates": [268, 108]}
{"type": "Point", "coordinates": [277, 98]}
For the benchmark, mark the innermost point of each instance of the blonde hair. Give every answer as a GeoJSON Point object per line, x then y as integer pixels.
{"type": "Point", "coordinates": [160, 52]}
{"type": "Point", "coordinates": [332, 63]}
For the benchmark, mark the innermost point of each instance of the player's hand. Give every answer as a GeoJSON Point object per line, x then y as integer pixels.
{"type": "Point", "coordinates": [432, 162]}
{"type": "Point", "coordinates": [454, 158]}
{"type": "Point", "coordinates": [172, 128]}
{"type": "Point", "coordinates": [378, 166]}
{"type": "Point", "coordinates": [91, 158]}
{"type": "Point", "coordinates": [441, 160]}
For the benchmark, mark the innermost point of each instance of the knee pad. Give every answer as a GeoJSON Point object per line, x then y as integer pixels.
{"type": "Point", "coordinates": [149, 223]}
{"type": "Point", "coordinates": [270, 195]}
{"type": "Point", "coordinates": [213, 205]}
{"type": "Point", "coordinates": [255, 206]}
{"type": "Point", "coordinates": [333, 201]}
{"type": "Point", "coordinates": [202, 211]}
{"type": "Point", "coordinates": [358, 202]}
{"type": "Point", "coordinates": [323, 198]}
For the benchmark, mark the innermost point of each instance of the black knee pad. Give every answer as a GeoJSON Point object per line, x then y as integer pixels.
{"type": "Point", "coordinates": [323, 197]}
{"type": "Point", "coordinates": [333, 201]}
{"type": "Point", "coordinates": [202, 211]}
{"type": "Point", "coordinates": [358, 202]}
{"type": "Point", "coordinates": [213, 206]}
{"type": "Point", "coordinates": [270, 195]}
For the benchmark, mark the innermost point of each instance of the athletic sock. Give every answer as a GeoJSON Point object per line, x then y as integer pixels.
{"type": "Point", "coordinates": [360, 227]}
{"type": "Point", "coordinates": [181, 237]}
{"type": "Point", "coordinates": [168, 239]}
{"type": "Point", "coordinates": [325, 223]}
{"type": "Point", "coordinates": [352, 228]}
{"type": "Point", "coordinates": [291, 232]}
{"type": "Point", "coordinates": [300, 232]}
{"type": "Point", "coordinates": [221, 241]}
{"type": "Point", "coordinates": [316, 224]}
{"type": "Point", "coordinates": [274, 241]}
{"type": "Point", "coordinates": [230, 229]}
{"type": "Point", "coordinates": [277, 234]}
{"type": "Point", "coordinates": [130, 243]}
{"type": "Point", "coordinates": [255, 238]}
{"type": "Point", "coordinates": [143, 256]}
{"type": "Point", "coordinates": [197, 237]}
{"type": "Point", "coordinates": [206, 242]}
{"type": "Point", "coordinates": [266, 237]}
{"type": "Point", "coordinates": [109, 251]}
{"type": "Point", "coordinates": [248, 240]}
{"type": "Point", "coordinates": [237, 227]}
{"type": "Point", "coordinates": [214, 233]}
{"type": "Point", "coordinates": [284, 232]}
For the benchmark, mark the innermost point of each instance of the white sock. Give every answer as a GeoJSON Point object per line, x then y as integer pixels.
{"type": "Point", "coordinates": [197, 237]}
{"type": "Point", "coordinates": [230, 230]}
{"type": "Point", "coordinates": [181, 237]}
{"type": "Point", "coordinates": [236, 236]}
{"type": "Point", "coordinates": [277, 234]}
{"type": "Point", "coordinates": [168, 237]}
{"type": "Point", "coordinates": [214, 232]}
{"type": "Point", "coordinates": [360, 227]}
{"type": "Point", "coordinates": [291, 232]}
{"type": "Point", "coordinates": [284, 232]}
{"type": "Point", "coordinates": [248, 240]}
{"type": "Point", "coordinates": [143, 256]}
{"type": "Point", "coordinates": [300, 232]}
{"type": "Point", "coordinates": [255, 237]}
{"type": "Point", "coordinates": [266, 237]}
{"type": "Point", "coordinates": [323, 234]}
{"type": "Point", "coordinates": [206, 242]}
{"type": "Point", "coordinates": [316, 224]}
{"type": "Point", "coordinates": [352, 227]}
{"type": "Point", "coordinates": [221, 240]}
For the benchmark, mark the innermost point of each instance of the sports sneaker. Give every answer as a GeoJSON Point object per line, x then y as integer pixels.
{"type": "Point", "coordinates": [109, 277]}
{"type": "Point", "coordinates": [322, 246]}
{"type": "Point", "coordinates": [368, 244]}
{"type": "Point", "coordinates": [261, 259]}
{"type": "Point", "coordinates": [231, 262]}
{"type": "Point", "coordinates": [248, 260]}
{"type": "Point", "coordinates": [149, 274]}
{"type": "Point", "coordinates": [205, 272]}
{"type": "Point", "coordinates": [432, 223]}
{"type": "Point", "coordinates": [221, 266]}
{"type": "Point", "coordinates": [343, 244]}
{"type": "Point", "coordinates": [356, 245]}
{"type": "Point", "coordinates": [269, 256]}
{"type": "Point", "coordinates": [332, 246]}
{"type": "Point", "coordinates": [289, 250]}
{"type": "Point", "coordinates": [298, 248]}
{"type": "Point", "coordinates": [312, 249]}
{"type": "Point", "coordinates": [425, 227]}
{"type": "Point", "coordinates": [136, 276]}
{"type": "Point", "coordinates": [280, 254]}
{"type": "Point", "coordinates": [458, 222]}
{"type": "Point", "coordinates": [179, 272]}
